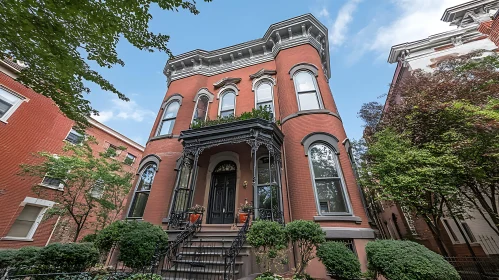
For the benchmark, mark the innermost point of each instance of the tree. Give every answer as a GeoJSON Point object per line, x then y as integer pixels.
{"type": "Point", "coordinates": [58, 40]}
{"type": "Point", "coordinates": [440, 135]}
{"type": "Point", "coordinates": [91, 184]}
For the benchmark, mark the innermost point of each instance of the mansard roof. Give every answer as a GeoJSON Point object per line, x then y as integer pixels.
{"type": "Point", "coordinates": [300, 30]}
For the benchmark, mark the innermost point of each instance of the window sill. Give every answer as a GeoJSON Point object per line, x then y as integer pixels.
{"type": "Point", "coordinates": [166, 136]}
{"type": "Point", "coordinates": [309, 112]}
{"type": "Point", "coordinates": [8, 238]}
{"type": "Point", "coordinates": [355, 219]}
{"type": "Point", "coordinates": [4, 121]}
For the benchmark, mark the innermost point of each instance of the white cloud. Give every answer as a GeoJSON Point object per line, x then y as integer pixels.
{"type": "Point", "coordinates": [338, 32]}
{"type": "Point", "coordinates": [122, 110]}
{"type": "Point", "coordinates": [417, 20]}
{"type": "Point", "coordinates": [324, 13]}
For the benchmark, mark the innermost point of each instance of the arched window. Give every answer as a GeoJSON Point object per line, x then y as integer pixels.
{"type": "Point", "coordinates": [264, 96]}
{"type": "Point", "coordinates": [168, 120]}
{"type": "Point", "coordinates": [142, 191]}
{"type": "Point", "coordinates": [326, 175]}
{"type": "Point", "coordinates": [306, 90]}
{"type": "Point", "coordinates": [228, 104]}
{"type": "Point", "coordinates": [267, 186]}
{"type": "Point", "coordinates": [201, 109]}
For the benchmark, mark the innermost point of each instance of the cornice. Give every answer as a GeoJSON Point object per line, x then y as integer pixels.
{"type": "Point", "coordinates": [301, 30]}
{"type": "Point", "coordinates": [456, 37]}
{"type": "Point", "coordinates": [116, 134]}
{"type": "Point", "coordinates": [471, 12]}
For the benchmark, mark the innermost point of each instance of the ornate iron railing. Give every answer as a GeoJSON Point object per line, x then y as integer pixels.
{"type": "Point", "coordinates": [233, 251]}
{"type": "Point", "coordinates": [274, 214]}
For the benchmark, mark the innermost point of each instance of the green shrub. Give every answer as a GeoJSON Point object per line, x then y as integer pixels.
{"type": "Point", "coordinates": [268, 240]}
{"type": "Point", "coordinates": [7, 258]}
{"type": "Point", "coordinates": [89, 238]}
{"type": "Point", "coordinates": [138, 242]}
{"type": "Point", "coordinates": [109, 236]}
{"type": "Point", "coordinates": [68, 257]}
{"type": "Point", "coordinates": [26, 256]}
{"type": "Point", "coordinates": [144, 276]}
{"type": "Point", "coordinates": [407, 260]}
{"type": "Point", "coordinates": [339, 260]}
{"type": "Point", "coordinates": [307, 235]}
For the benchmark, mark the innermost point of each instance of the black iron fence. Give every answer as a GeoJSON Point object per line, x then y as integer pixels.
{"type": "Point", "coordinates": [478, 268]}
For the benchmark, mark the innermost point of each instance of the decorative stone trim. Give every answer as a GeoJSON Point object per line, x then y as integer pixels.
{"type": "Point", "coordinates": [257, 81]}
{"type": "Point", "coordinates": [263, 72]}
{"type": "Point", "coordinates": [313, 137]}
{"type": "Point", "coordinates": [164, 136]}
{"type": "Point", "coordinates": [204, 91]}
{"type": "Point", "coordinates": [309, 112]}
{"type": "Point", "coordinates": [301, 30]}
{"type": "Point", "coordinates": [176, 96]}
{"type": "Point", "coordinates": [226, 81]}
{"type": "Point", "coordinates": [227, 87]}
{"type": "Point", "coordinates": [303, 66]}
{"type": "Point", "coordinates": [148, 159]}
{"type": "Point", "coordinates": [355, 219]}
{"type": "Point", "coordinates": [351, 233]}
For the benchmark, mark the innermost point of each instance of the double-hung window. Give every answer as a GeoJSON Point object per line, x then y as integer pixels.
{"type": "Point", "coordinates": [201, 109]}
{"type": "Point", "coordinates": [306, 91]}
{"type": "Point", "coordinates": [142, 191]}
{"type": "Point", "coordinates": [26, 223]}
{"type": "Point", "coordinates": [129, 159]}
{"type": "Point", "coordinates": [328, 184]}
{"type": "Point", "coordinates": [168, 120]}
{"type": "Point", "coordinates": [264, 97]}
{"type": "Point", "coordinates": [8, 103]}
{"type": "Point", "coordinates": [228, 104]}
{"type": "Point", "coordinates": [74, 137]}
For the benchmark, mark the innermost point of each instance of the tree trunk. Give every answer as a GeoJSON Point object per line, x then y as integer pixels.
{"type": "Point", "coordinates": [436, 234]}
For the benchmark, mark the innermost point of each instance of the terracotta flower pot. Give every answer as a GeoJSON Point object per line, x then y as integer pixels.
{"type": "Point", "coordinates": [193, 217]}
{"type": "Point", "coordinates": [243, 217]}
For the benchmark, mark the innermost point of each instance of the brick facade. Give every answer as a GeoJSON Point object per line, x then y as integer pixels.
{"type": "Point", "coordinates": [38, 125]}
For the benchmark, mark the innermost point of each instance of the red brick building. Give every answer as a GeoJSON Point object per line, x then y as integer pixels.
{"type": "Point", "coordinates": [29, 123]}
{"type": "Point", "coordinates": [299, 168]}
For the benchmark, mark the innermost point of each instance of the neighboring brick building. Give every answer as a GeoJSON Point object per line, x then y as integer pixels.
{"type": "Point", "coordinates": [222, 166]}
{"type": "Point", "coordinates": [424, 54]}
{"type": "Point", "coordinates": [29, 123]}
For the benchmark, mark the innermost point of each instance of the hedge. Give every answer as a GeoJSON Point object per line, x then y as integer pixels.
{"type": "Point", "coordinates": [68, 257]}
{"type": "Point", "coordinates": [407, 260]}
{"type": "Point", "coordinates": [339, 260]}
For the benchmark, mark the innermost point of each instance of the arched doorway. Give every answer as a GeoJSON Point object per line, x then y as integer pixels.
{"type": "Point", "coordinates": [221, 206]}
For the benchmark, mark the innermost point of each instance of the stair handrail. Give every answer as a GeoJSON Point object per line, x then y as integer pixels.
{"type": "Point", "coordinates": [235, 248]}
{"type": "Point", "coordinates": [171, 254]}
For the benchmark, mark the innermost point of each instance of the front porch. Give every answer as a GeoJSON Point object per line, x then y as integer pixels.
{"type": "Point", "coordinates": [226, 165]}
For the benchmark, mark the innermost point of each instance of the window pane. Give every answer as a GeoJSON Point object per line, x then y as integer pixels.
{"type": "Point", "coordinates": [304, 81]}
{"type": "Point", "coordinates": [323, 161]}
{"type": "Point", "coordinates": [74, 137]}
{"type": "Point", "coordinates": [8, 97]}
{"type": "Point", "coordinates": [185, 176]}
{"type": "Point", "coordinates": [330, 195]}
{"type": "Point", "coordinates": [52, 182]}
{"type": "Point", "coordinates": [268, 197]}
{"type": "Point", "coordinates": [201, 108]}
{"type": "Point", "coordinates": [146, 178]}
{"type": "Point", "coordinates": [139, 204]}
{"type": "Point", "coordinates": [228, 101]}
{"type": "Point", "coordinates": [308, 101]}
{"type": "Point", "coordinates": [167, 127]}
{"type": "Point", "coordinates": [263, 171]}
{"type": "Point", "coordinates": [24, 221]}
{"type": "Point", "coordinates": [263, 104]}
{"type": "Point", "coordinates": [226, 113]}
{"type": "Point", "coordinates": [171, 110]}
{"type": "Point", "coordinates": [264, 93]}
{"type": "Point", "coordinates": [4, 107]}
{"type": "Point", "coordinates": [29, 213]}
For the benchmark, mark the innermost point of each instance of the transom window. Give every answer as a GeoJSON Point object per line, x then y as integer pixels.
{"type": "Point", "coordinates": [168, 120]}
{"type": "Point", "coordinates": [74, 137]}
{"type": "Point", "coordinates": [264, 96]}
{"type": "Point", "coordinates": [306, 90]}
{"type": "Point", "coordinates": [329, 189]}
{"type": "Point", "coordinates": [8, 103]}
{"type": "Point", "coordinates": [228, 104]}
{"type": "Point", "coordinates": [201, 109]}
{"type": "Point", "coordinates": [142, 191]}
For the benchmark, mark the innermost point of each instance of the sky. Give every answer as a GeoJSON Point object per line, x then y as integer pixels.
{"type": "Point", "coordinates": [361, 33]}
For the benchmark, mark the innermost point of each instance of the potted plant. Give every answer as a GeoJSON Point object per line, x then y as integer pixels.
{"type": "Point", "coordinates": [244, 210]}
{"type": "Point", "coordinates": [195, 212]}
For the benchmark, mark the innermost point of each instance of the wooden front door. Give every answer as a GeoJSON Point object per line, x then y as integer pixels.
{"type": "Point", "coordinates": [222, 198]}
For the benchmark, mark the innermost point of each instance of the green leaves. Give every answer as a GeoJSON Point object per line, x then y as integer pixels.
{"type": "Point", "coordinates": [60, 40]}
{"type": "Point", "coordinates": [339, 260]}
{"type": "Point", "coordinates": [261, 112]}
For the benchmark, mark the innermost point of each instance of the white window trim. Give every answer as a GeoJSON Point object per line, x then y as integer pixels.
{"type": "Point", "coordinates": [65, 138]}
{"type": "Point", "coordinates": [257, 84]}
{"type": "Point", "coordinates": [196, 106]}
{"type": "Point", "coordinates": [317, 91]}
{"type": "Point", "coordinates": [342, 180]}
{"type": "Point", "coordinates": [222, 94]}
{"type": "Point", "coordinates": [145, 166]}
{"type": "Point", "coordinates": [134, 158]}
{"type": "Point", "coordinates": [15, 106]}
{"type": "Point", "coordinates": [58, 188]}
{"type": "Point", "coordinates": [165, 108]}
{"type": "Point", "coordinates": [45, 204]}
